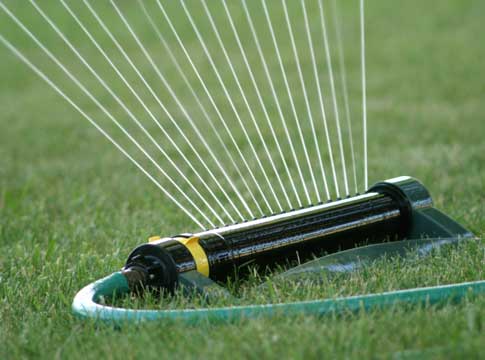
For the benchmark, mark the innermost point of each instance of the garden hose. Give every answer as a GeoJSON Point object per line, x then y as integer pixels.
{"type": "Point", "coordinates": [87, 302]}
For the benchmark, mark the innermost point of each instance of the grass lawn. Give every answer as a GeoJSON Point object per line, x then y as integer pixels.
{"type": "Point", "coordinates": [71, 207]}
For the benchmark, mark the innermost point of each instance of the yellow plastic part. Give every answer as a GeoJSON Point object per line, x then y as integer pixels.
{"type": "Point", "coordinates": [192, 244]}
{"type": "Point", "coordinates": [200, 257]}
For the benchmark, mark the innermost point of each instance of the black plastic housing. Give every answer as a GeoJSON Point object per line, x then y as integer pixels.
{"type": "Point", "coordinates": [386, 212]}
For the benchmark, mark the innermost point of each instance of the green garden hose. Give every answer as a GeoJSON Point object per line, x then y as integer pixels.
{"type": "Point", "coordinates": [86, 303]}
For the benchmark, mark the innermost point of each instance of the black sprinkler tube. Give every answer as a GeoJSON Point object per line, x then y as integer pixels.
{"type": "Point", "coordinates": [385, 211]}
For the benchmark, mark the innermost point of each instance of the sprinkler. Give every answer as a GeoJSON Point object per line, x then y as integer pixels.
{"type": "Point", "coordinates": [391, 217]}
{"type": "Point", "coordinates": [389, 210]}
{"type": "Point", "coordinates": [393, 213]}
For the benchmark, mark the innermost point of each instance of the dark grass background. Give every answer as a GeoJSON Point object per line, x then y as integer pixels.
{"type": "Point", "coordinates": [71, 207]}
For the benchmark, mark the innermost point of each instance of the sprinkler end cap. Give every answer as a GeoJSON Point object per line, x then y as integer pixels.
{"type": "Point", "coordinates": [150, 266]}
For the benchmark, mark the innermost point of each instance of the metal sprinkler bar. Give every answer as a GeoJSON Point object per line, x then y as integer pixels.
{"type": "Point", "coordinates": [396, 209]}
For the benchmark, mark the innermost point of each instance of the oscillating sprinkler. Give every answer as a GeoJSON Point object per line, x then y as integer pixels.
{"type": "Point", "coordinates": [398, 210]}
{"type": "Point", "coordinates": [389, 218]}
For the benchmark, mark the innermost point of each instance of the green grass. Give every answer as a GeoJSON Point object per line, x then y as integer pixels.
{"type": "Point", "coordinates": [71, 208]}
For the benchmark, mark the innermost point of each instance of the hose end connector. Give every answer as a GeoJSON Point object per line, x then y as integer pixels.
{"type": "Point", "coordinates": [150, 266]}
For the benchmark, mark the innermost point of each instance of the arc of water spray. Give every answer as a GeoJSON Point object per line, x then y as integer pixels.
{"type": "Point", "coordinates": [229, 98]}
